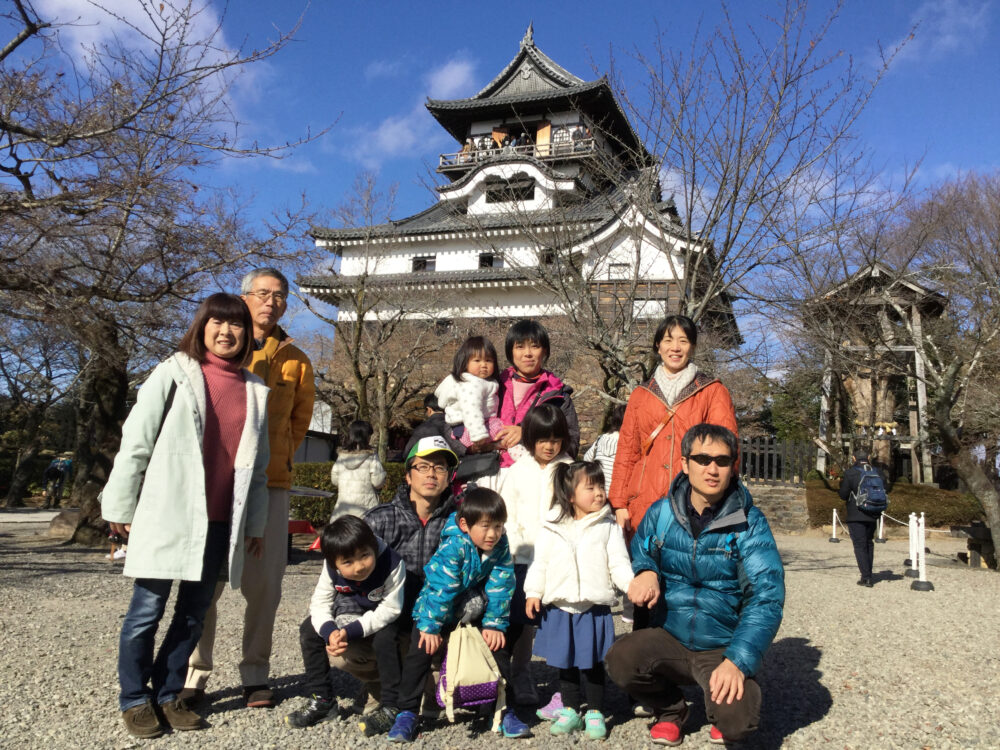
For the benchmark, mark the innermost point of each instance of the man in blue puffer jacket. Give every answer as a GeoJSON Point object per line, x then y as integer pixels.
{"type": "Point", "coordinates": [711, 553]}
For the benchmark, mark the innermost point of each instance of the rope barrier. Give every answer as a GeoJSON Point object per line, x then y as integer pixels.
{"type": "Point", "coordinates": [905, 523]}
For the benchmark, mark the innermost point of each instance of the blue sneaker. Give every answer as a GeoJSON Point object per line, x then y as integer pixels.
{"type": "Point", "coordinates": [405, 728]}
{"type": "Point", "coordinates": [512, 727]}
{"type": "Point", "coordinates": [550, 711]}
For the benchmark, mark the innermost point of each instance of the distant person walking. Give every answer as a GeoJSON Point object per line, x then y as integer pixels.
{"type": "Point", "coordinates": [288, 373]}
{"type": "Point", "coordinates": [357, 473]}
{"type": "Point", "coordinates": [861, 523]}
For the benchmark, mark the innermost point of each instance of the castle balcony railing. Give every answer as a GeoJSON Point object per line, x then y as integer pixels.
{"type": "Point", "coordinates": [586, 148]}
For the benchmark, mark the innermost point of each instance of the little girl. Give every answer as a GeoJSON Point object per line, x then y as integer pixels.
{"type": "Point", "coordinates": [526, 488]}
{"type": "Point", "coordinates": [580, 558]}
{"type": "Point", "coordinates": [469, 395]}
{"type": "Point", "coordinates": [357, 473]}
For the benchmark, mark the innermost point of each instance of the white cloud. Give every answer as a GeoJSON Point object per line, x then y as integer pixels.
{"type": "Point", "coordinates": [383, 69]}
{"type": "Point", "coordinates": [413, 131]}
{"type": "Point", "coordinates": [452, 80]}
{"type": "Point", "coordinates": [946, 27]}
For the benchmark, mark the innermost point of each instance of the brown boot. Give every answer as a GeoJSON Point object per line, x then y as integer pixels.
{"type": "Point", "coordinates": [141, 721]}
{"type": "Point", "coordinates": [180, 717]}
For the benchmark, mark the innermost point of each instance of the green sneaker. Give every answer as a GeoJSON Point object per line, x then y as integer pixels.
{"type": "Point", "coordinates": [567, 721]}
{"type": "Point", "coordinates": [594, 726]}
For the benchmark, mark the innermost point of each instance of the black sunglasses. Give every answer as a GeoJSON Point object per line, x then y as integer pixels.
{"type": "Point", "coordinates": [703, 459]}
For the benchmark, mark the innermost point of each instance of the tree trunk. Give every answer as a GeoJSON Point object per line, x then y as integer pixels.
{"type": "Point", "coordinates": [968, 468]}
{"type": "Point", "coordinates": [25, 457]}
{"type": "Point", "coordinates": [101, 409]}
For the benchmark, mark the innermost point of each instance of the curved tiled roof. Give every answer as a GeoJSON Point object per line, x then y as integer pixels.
{"type": "Point", "coordinates": [501, 157]}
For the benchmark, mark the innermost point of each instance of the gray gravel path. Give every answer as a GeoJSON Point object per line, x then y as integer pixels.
{"type": "Point", "coordinates": [850, 668]}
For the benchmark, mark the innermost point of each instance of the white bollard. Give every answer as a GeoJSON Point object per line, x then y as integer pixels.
{"type": "Point", "coordinates": [880, 536]}
{"type": "Point", "coordinates": [922, 584]}
{"type": "Point", "coordinates": [911, 561]}
{"type": "Point", "coordinates": [833, 536]}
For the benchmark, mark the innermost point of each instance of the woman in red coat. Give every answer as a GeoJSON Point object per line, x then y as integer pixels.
{"type": "Point", "coordinates": [658, 414]}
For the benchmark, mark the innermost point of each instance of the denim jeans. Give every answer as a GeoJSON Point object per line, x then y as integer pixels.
{"type": "Point", "coordinates": [143, 677]}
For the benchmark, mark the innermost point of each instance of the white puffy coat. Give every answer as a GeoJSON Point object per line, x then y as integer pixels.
{"type": "Point", "coordinates": [575, 574]}
{"type": "Point", "coordinates": [526, 489]}
{"type": "Point", "coordinates": [471, 403]}
{"type": "Point", "coordinates": [358, 476]}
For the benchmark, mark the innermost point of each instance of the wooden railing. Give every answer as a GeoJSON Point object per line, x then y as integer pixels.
{"type": "Point", "coordinates": [543, 151]}
{"type": "Point", "coordinates": [775, 462]}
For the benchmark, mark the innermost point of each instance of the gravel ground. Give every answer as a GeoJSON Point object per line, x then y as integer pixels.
{"type": "Point", "coordinates": [850, 668]}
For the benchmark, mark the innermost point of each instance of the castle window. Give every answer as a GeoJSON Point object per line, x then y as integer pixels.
{"type": "Point", "coordinates": [424, 263]}
{"type": "Point", "coordinates": [506, 191]}
{"type": "Point", "coordinates": [618, 271]}
{"type": "Point", "coordinates": [490, 260]}
{"type": "Point", "coordinates": [547, 257]}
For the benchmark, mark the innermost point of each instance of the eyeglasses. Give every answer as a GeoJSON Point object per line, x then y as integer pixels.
{"type": "Point", "coordinates": [426, 469]}
{"type": "Point", "coordinates": [703, 459]}
{"type": "Point", "coordinates": [263, 295]}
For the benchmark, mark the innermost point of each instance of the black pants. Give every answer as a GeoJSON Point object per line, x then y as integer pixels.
{"type": "Point", "coordinates": [593, 687]}
{"type": "Point", "coordinates": [863, 539]}
{"type": "Point", "coordinates": [384, 643]}
{"type": "Point", "coordinates": [651, 664]}
{"type": "Point", "coordinates": [417, 665]}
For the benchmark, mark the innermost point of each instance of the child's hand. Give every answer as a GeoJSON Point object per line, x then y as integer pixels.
{"type": "Point", "coordinates": [532, 606]}
{"type": "Point", "coordinates": [337, 643]}
{"type": "Point", "coordinates": [509, 436]}
{"type": "Point", "coordinates": [121, 529]}
{"type": "Point", "coordinates": [644, 589]}
{"type": "Point", "coordinates": [429, 642]}
{"type": "Point", "coordinates": [494, 639]}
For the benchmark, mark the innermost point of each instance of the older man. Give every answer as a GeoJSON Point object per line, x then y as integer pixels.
{"type": "Point", "coordinates": [288, 373]}
{"type": "Point", "coordinates": [705, 553]}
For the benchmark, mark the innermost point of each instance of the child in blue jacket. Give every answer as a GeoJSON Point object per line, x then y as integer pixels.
{"type": "Point", "coordinates": [473, 556]}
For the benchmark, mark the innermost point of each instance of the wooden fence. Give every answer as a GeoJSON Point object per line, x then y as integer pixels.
{"type": "Point", "coordinates": [775, 462]}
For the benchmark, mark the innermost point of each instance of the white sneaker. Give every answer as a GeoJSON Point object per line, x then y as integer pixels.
{"type": "Point", "coordinates": [119, 554]}
{"type": "Point", "coordinates": [640, 710]}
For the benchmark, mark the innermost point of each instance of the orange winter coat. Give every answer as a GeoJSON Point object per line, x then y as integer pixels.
{"type": "Point", "coordinates": [646, 464]}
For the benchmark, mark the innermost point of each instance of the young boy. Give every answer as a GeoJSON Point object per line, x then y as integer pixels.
{"type": "Point", "coordinates": [473, 555]}
{"type": "Point", "coordinates": [359, 596]}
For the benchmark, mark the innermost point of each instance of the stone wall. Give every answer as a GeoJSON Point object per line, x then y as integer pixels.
{"type": "Point", "coordinates": [784, 505]}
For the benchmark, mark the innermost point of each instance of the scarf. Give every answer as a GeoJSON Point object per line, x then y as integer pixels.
{"type": "Point", "coordinates": [672, 385]}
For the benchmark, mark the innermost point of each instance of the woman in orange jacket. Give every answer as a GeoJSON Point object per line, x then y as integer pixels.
{"type": "Point", "coordinates": [658, 414]}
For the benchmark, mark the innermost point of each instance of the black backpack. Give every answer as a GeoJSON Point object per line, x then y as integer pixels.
{"type": "Point", "coordinates": [871, 496]}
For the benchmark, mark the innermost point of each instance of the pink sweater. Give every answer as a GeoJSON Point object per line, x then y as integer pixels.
{"type": "Point", "coordinates": [225, 413]}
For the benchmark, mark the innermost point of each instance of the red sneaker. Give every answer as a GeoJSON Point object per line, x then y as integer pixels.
{"type": "Point", "coordinates": [666, 733]}
{"type": "Point", "coordinates": [715, 736]}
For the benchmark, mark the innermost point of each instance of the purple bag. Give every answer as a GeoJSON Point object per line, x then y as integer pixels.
{"type": "Point", "coordinates": [469, 675]}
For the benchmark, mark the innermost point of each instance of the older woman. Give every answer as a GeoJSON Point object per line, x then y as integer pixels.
{"type": "Point", "coordinates": [658, 414]}
{"type": "Point", "coordinates": [189, 489]}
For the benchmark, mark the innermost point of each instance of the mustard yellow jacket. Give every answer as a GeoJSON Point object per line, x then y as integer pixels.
{"type": "Point", "coordinates": [287, 371]}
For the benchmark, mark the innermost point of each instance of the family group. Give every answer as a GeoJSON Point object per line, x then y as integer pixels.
{"type": "Point", "coordinates": [531, 546]}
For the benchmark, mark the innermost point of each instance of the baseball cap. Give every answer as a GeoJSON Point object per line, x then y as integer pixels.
{"type": "Point", "coordinates": [429, 445]}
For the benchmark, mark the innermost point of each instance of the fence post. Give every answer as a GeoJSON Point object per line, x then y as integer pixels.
{"type": "Point", "coordinates": [880, 537]}
{"type": "Point", "coordinates": [922, 584]}
{"type": "Point", "coordinates": [833, 534]}
{"type": "Point", "coordinates": [911, 561]}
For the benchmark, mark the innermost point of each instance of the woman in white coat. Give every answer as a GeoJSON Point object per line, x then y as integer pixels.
{"type": "Point", "coordinates": [189, 489]}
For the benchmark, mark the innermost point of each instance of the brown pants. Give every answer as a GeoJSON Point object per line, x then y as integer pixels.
{"type": "Point", "coordinates": [651, 664]}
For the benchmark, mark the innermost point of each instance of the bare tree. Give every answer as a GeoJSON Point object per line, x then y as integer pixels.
{"type": "Point", "coordinates": [106, 229]}
{"type": "Point", "coordinates": [384, 335]}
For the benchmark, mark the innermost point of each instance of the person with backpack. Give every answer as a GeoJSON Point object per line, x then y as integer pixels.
{"type": "Point", "coordinates": [863, 489]}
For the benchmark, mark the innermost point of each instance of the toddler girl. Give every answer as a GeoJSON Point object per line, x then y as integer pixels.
{"type": "Point", "coordinates": [526, 488]}
{"type": "Point", "coordinates": [469, 395]}
{"type": "Point", "coordinates": [357, 473]}
{"type": "Point", "coordinates": [580, 558]}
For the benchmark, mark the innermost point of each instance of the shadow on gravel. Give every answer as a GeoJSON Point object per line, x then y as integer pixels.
{"type": "Point", "coordinates": [792, 695]}
{"type": "Point", "coordinates": [814, 561]}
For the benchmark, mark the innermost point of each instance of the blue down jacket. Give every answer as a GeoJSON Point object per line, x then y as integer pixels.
{"type": "Point", "coordinates": [458, 567]}
{"type": "Point", "coordinates": [725, 589]}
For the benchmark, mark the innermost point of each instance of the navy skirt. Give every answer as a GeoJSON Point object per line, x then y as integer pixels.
{"type": "Point", "coordinates": [565, 640]}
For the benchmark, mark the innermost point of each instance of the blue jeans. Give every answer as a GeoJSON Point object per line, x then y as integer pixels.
{"type": "Point", "coordinates": [141, 676]}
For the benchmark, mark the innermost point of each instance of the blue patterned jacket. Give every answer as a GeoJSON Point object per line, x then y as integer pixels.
{"type": "Point", "coordinates": [725, 589]}
{"type": "Point", "coordinates": [457, 567]}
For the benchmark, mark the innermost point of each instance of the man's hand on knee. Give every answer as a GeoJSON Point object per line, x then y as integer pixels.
{"type": "Point", "coordinates": [726, 683]}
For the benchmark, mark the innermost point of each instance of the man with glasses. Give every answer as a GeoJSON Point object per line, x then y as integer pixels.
{"type": "Point", "coordinates": [707, 566]}
{"type": "Point", "coordinates": [288, 372]}
{"type": "Point", "coordinates": [411, 524]}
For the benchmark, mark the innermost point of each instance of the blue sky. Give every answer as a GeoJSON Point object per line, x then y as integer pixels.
{"type": "Point", "coordinates": [370, 67]}
{"type": "Point", "coordinates": [367, 68]}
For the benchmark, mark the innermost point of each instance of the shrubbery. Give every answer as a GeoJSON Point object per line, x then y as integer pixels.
{"type": "Point", "coordinates": [941, 507]}
{"type": "Point", "coordinates": [317, 510]}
